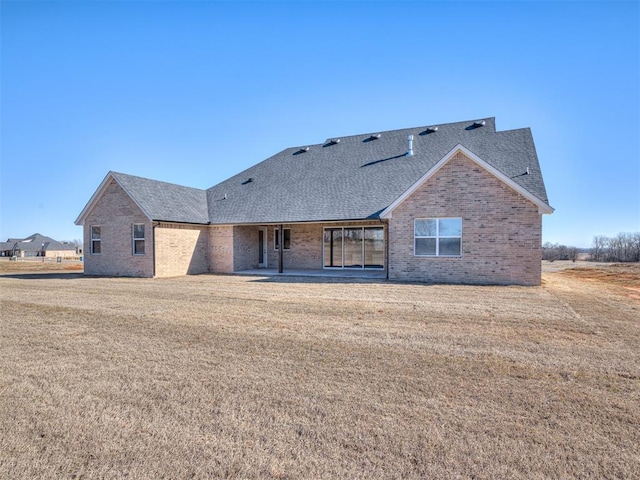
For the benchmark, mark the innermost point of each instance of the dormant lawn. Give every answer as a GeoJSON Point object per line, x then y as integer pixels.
{"type": "Point", "coordinates": [248, 377]}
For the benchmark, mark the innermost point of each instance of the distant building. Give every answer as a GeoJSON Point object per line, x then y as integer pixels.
{"type": "Point", "coordinates": [37, 246]}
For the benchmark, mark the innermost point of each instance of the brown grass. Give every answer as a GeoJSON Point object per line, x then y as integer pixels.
{"type": "Point", "coordinates": [244, 377]}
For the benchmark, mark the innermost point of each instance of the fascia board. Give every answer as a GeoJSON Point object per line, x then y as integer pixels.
{"type": "Point", "coordinates": [543, 208]}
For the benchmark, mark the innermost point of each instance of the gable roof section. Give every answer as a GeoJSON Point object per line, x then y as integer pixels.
{"type": "Point", "coordinates": [360, 176]}
{"type": "Point", "coordinates": [160, 201]}
{"type": "Point", "coordinates": [542, 206]}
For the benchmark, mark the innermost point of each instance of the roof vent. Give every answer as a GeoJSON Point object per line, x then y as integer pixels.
{"type": "Point", "coordinates": [410, 139]}
{"type": "Point", "coordinates": [332, 141]}
{"type": "Point", "coordinates": [371, 138]}
{"type": "Point", "coordinates": [302, 150]}
{"type": "Point", "coordinates": [476, 124]}
{"type": "Point", "coordinates": [429, 130]}
{"type": "Point", "coordinates": [248, 180]}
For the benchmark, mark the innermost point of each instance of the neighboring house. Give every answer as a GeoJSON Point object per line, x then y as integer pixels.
{"type": "Point", "coordinates": [452, 203]}
{"type": "Point", "coordinates": [36, 246]}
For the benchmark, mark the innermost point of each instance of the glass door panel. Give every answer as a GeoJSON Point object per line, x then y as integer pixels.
{"type": "Point", "coordinates": [353, 247]}
{"type": "Point", "coordinates": [374, 247]}
{"type": "Point", "coordinates": [333, 247]}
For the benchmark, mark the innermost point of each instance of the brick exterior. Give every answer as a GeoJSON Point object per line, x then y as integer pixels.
{"type": "Point", "coordinates": [501, 236]}
{"type": "Point", "coordinates": [501, 230]}
{"type": "Point", "coordinates": [181, 249]}
{"type": "Point", "coordinates": [116, 213]}
{"type": "Point", "coordinates": [306, 247]}
{"type": "Point", "coordinates": [221, 249]}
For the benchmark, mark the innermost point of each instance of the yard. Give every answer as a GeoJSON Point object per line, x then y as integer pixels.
{"type": "Point", "coordinates": [249, 377]}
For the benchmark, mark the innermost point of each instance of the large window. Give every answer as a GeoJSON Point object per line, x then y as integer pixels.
{"type": "Point", "coordinates": [138, 238]}
{"type": "Point", "coordinates": [96, 246]}
{"type": "Point", "coordinates": [354, 247]}
{"type": "Point", "coordinates": [438, 237]}
{"type": "Point", "coordinates": [287, 239]}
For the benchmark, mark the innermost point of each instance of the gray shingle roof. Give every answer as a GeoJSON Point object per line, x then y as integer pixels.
{"type": "Point", "coordinates": [165, 201]}
{"type": "Point", "coordinates": [355, 178]}
{"type": "Point", "coordinates": [361, 175]}
{"type": "Point", "coordinates": [35, 243]}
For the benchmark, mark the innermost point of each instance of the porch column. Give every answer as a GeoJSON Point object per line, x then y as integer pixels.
{"type": "Point", "coordinates": [281, 248]}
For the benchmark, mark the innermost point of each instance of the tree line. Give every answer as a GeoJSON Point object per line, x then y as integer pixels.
{"type": "Point", "coordinates": [624, 247]}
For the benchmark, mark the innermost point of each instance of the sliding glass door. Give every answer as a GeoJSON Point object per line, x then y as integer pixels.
{"type": "Point", "coordinates": [354, 247]}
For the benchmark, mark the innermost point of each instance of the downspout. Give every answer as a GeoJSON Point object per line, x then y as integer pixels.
{"type": "Point", "coordinates": [153, 250]}
{"type": "Point", "coordinates": [386, 248]}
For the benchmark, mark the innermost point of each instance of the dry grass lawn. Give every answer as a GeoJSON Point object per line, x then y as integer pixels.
{"type": "Point", "coordinates": [245, 377]}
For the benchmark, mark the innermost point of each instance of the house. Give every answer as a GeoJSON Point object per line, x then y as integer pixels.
{"type": "Point", "coordinates": [37, 245]}
{"type": "Point", "coordinates": [452, 203]}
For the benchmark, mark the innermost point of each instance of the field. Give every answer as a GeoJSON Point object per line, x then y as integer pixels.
{"type": "Point", "coordinates": [247, 377]}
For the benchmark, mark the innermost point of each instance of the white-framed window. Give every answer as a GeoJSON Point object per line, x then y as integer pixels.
{"type": "Point", "coordinates": [138, 238]}
{"type": "Point", "coordinates": [287, 239]}
{"type": "Point", "coordinates": [437, 237]}
{"type": "Point", "coordinates": [96, 242]}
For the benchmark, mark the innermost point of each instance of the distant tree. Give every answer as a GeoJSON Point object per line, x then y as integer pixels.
{"type": "Point", "coordinates": [624, 247]}
{"type": "Point", "coordinates": [557, 251]}
{"type": "Point", "coordinates": [599, 246]}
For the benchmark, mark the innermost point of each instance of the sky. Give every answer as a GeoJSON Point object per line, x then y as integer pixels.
{"type": "Point", "coordinates": [192, 92]}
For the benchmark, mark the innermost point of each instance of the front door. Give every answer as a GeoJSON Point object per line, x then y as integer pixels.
{"type": "Point", "coordinates": [262, 247]}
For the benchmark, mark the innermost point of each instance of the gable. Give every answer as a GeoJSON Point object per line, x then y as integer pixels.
{"type": "Point", "coordinates": [543, 207]}
{"type": "Point", "coordinates": [113, 203]}
{"type": "Point", "coordinates": [158, 201]}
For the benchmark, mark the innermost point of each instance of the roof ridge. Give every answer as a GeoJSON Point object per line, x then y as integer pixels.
{"type": "Point", "coordinates": [422, 126]}
{"type": "Point", "coordinates": [114, 174]}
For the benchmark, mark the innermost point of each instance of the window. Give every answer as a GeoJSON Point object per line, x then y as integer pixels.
{"type": "Point", "coordinates": [138, 238]}
{"type": "Point", "coordinates": [287, 239]}
{"type": "Point", "coordinates": [438, 237]}
{"type": "Point", "coordinates": [96, 246]}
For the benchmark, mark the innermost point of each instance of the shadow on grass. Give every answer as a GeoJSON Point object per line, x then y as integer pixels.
{"type": "Point", "coordinates": [43, 276]}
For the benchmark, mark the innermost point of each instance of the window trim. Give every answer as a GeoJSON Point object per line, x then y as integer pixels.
{"type": "Point", "coordinates": [437, 237]}
{"type": "Point", "coordinates": [134, 239]}
{"type": "Point", "coordinates": [96, 240]}
{"type": "Point", "coordinates": [276, 233]}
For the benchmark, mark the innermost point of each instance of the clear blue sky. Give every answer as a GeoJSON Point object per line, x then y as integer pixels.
{"type": "Point", "coordinates": [193, 92]}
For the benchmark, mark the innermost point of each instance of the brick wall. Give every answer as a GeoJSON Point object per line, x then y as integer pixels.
{"type": "Point", "coordinates": [501, 230]}
{"type": "Point", "coordinates": [181, 249]}
{"type": "Point", "coordinates": [306, 247]}
{"type": "Point", "coordinates": [221, 249]}
{"type": "Point", "coordinates": [115, 212]}
{"type": "Point", "coordinates": [245, 247]}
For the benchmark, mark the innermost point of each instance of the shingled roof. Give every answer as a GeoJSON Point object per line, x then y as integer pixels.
{"type": "Point", "coordinates": [35, 243]}
{"type": "Point", "coordinates": [359, 176]}
{"type": "Point", "coordinates": [165, 201]}
{"type": "Point", "coordinates": [348, 178]}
